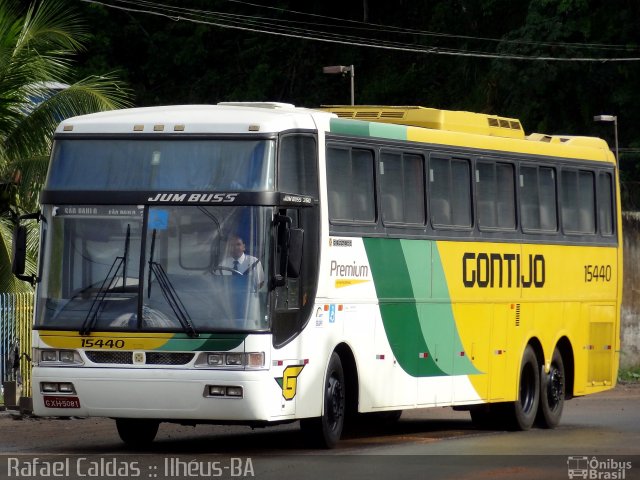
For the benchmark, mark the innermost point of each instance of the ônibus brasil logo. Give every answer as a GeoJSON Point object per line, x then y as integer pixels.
{"type": "Point", "coordinates": [596, 468]}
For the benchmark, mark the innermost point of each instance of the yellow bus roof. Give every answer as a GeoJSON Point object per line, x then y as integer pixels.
{"type": "Point", "coordinates": [477, 124]}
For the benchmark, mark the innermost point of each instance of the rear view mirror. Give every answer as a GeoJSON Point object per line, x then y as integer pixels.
{"type": "Point", "coordinates": [294, 260]}
{"type": "Point", "coordinates": [19, 257]}
{"type": "Point", "coordinates": [290, 242]}
{"type": "Point", "coordinates": [19, 251]}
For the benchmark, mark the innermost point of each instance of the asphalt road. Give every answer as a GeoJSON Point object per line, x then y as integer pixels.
{"type": "Point", "coordinates": [599, 437]}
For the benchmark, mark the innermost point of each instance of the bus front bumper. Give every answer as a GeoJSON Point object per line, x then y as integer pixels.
{"type": "Point", "coordinates": [239, 396]}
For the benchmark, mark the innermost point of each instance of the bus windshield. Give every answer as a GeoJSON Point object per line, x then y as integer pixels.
{"type": "Point", "coordinates": [162, 164]}
{"type": "Point", "coordinates": [184, 269]}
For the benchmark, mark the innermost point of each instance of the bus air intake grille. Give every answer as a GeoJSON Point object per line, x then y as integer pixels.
{"type": "Point", "coordinates": [168, 358]}
{"type": "Point", "coordinates": [366, 114]}
{"type": "Point", "coordinates": [122, 358]}
{"type": "Point", "coordinates": [392, 114]}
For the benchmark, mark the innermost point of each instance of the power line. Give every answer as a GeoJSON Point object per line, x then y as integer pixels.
{"type": "Point", "coordinates": [271, 27]}
{"type": "Point", "coordinates": [379, 27]}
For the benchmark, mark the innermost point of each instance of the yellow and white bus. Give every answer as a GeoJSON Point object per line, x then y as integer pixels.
{"type": "Point", "coordinates": [388, 258]}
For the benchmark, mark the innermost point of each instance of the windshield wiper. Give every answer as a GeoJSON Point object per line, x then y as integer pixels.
{"type": "Point", "coordinates": [169, 292]}
{"type": "Point", "coordinates": [118, 262]}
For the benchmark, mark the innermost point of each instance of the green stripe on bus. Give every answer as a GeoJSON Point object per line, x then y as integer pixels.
{"type": "Point", "coordinates": [359, 128]}
{"type": "Point", "coordinates": [205, 342]}
{"type": "Point", "coordinates": [349, 127]}
{"type": "Point", "coordinates": [422, 334]}
{"type": "Point", "coordinates": [387, 130]}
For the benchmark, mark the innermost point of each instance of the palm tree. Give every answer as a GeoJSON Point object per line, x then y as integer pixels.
{"type": "Point", "coordinates": [37, 46]}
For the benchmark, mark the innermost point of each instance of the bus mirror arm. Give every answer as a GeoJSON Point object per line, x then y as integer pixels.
{"type": "Point", "coordinates": [19, 249]}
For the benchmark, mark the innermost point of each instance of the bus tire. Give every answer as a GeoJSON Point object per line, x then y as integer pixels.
{"type": "Point", "coordinates": [552, 393]}
{"type": "Point", "coordinates": [137, 432]}
{"type": "Point", "coordinates": [525, 408]}
{"type": "Point", "coordinates": [325, 431]}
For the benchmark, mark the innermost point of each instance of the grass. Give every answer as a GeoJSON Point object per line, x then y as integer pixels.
{"type": "Point", "coordinates": [629, 375]}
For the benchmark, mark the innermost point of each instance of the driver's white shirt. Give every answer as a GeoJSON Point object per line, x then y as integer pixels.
{"type": "Point", "coordinates": [244, 263]}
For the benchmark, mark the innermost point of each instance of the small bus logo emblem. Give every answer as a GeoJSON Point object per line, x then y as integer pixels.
{"type": "Point", "coordinates": [578, 467]}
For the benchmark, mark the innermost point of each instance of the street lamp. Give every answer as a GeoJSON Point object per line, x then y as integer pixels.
{"type": "Point", "coordinates": [343, 69]}
{"type": "Point", "coordinates": [614, 119]}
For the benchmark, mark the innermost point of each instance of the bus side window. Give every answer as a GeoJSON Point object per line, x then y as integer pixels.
{"type": "Point", "coordinates": [298, 172]}
{"type": "Point", "coordinates": [350, 183]}
{"type": "Point", "coordinates": [401, 184]}
{"type": "Point", "coordinates": [578, 201]}
{"type": "Point", "coordinates": [495, 195]}
{"type": "Point", "coordinates": [449, 193]}
{"type": "Point", "coordinates": [548, 199]}
{"type": "Point", "coordinates": [605, 204]}
{"type": "Point", "coordinates": [538, 199]}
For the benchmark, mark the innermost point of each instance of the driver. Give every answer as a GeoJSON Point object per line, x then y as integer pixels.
{"type": "Point", "coordinates": [239, 263]}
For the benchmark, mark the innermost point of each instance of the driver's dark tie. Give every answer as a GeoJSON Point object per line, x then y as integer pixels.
{"type": "Point", "coordinates": [235, 264]}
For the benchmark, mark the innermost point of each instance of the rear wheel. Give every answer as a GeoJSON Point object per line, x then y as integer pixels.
{"type": "Point", "coordinates": [137, 432]}
{"type": "Point", "coordinates": [524, 409]}
{"type": "Point", "coordinates": [325, 431]}
{"type": "Point", "coordinates": [552, 393]}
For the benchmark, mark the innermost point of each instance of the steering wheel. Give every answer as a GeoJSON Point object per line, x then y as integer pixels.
{"type": "Point", "coordinates": [221, 268]}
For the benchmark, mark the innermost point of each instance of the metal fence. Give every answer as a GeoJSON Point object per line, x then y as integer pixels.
{"type": "Point", "coordinates": [16, 312]}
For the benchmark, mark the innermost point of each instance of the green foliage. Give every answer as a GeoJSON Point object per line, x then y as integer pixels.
{"type": "Point", "coordinates": [168, 61]}
{"type": "Point", "coordinates": [37, 48]}
{"type": "Point", "coordinates": [629, 375]}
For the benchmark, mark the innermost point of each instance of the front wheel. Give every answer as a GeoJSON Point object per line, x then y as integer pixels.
{"type": "Point", "coordinates": [325, 431]}
{"type": "Point", "coordinates": [137, 432]}
{"type": "Point", "coordinates": [552, 393]}
{"type": "Point", "coordinates": [525, 408]}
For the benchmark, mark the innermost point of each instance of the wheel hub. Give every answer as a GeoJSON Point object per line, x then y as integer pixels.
{"type": "Point", "coordinates": [556, 386]}
{"type": "Point", "coordinates": [334, 394]}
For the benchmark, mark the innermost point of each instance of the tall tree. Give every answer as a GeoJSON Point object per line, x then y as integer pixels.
{"type": "Point", "coordinates": [37, 90]}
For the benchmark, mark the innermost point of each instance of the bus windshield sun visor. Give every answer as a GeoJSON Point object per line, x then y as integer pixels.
{"type": "Point", "coordinates": [92, 197]}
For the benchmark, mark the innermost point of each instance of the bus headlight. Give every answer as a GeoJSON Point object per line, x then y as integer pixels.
{"type": "Point", "coordinates": [234, 391]}
{"type": "Point", "coordinates": [67, 356]}
{"type": "Point", "coordinates": [223, 391]}
{"type": "Point", "coordinates": [59, 357]}
{"type": "Point", "coordinates": [48, 387]}
{"type": "Point", "coordinates": [49, 356]}
{"type": "Point", "coordinates": [215, 359]}
{"type": "Point", "coordinates": [217, 391]}
{"type": "Point", "coordinates": [66, 388]}
{"type": "Point", "coordinates": [234, 360]}
{"type": "Point", "coordinates": [57, 387]}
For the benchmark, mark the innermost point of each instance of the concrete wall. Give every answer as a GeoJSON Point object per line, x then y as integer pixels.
{"type": "Point", "coordinates": [630, 315]}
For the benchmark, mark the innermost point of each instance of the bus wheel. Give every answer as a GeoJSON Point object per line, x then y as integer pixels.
{"type": "Point", "coordinates": [137, 432]}
{"type": "Point", "coordinates": [325, 431]}
{"type": "Point", "coordinates": [552, 393]}
{"type": "Point", "coordinates": [526, 407]}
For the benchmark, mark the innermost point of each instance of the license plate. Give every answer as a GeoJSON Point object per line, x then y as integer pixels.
{"type": "Point", "coordinates": [54, 401]}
